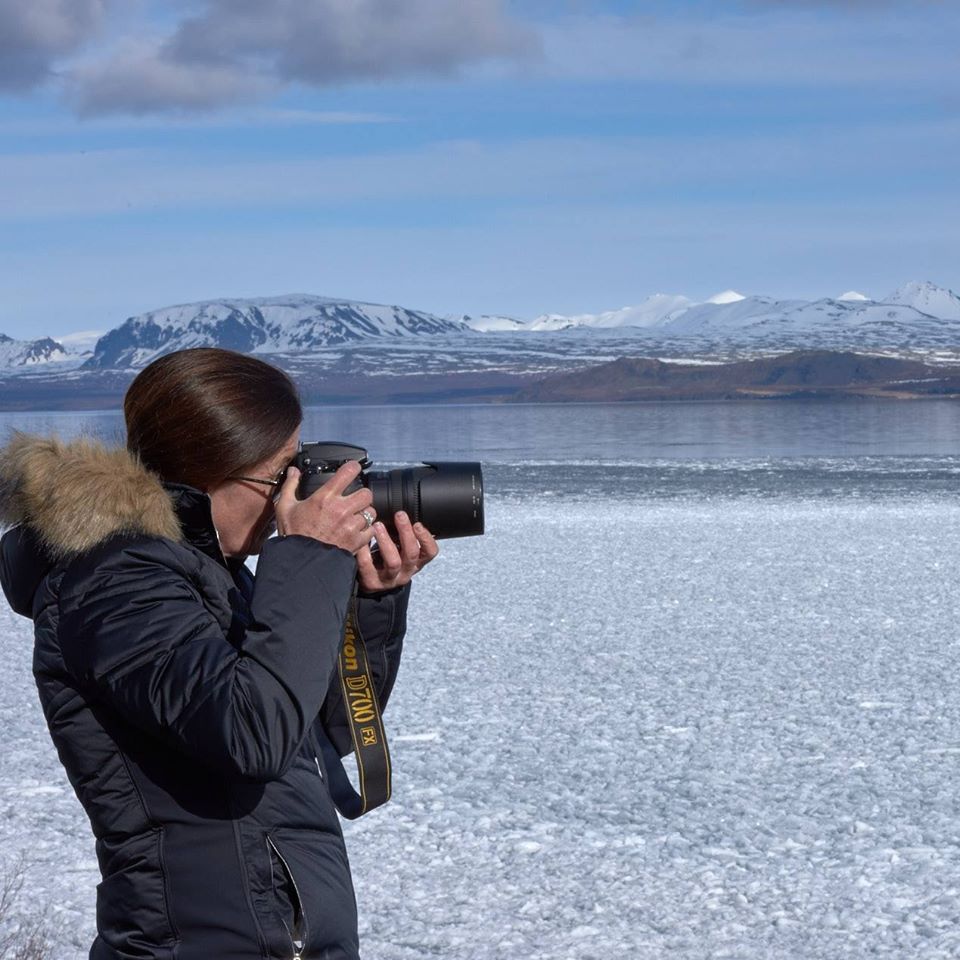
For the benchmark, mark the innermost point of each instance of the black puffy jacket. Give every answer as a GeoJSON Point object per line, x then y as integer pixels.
{"type": "Point", "coordinates": [194, 707]}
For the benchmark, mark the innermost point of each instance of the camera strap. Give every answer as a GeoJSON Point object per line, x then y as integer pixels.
{"type": "Point", "coordinates": [366, 727]}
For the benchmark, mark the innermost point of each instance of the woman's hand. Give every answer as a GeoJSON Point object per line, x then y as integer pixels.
{"type": "Point", "coordinates": [327, 515]}
{"type": "Point", "coordinates": [396, 567]}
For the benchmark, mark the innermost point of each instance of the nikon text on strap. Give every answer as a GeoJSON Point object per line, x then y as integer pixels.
{"type": "Point", "coordinates": [366, 728]}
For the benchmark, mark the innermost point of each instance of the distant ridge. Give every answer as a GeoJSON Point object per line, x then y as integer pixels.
{"type": "Point", "coordinates": [798, 374]}
{"type": "Point", "coordinates": [427, 378]}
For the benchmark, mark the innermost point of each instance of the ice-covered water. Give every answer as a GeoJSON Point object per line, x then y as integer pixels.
{"type": "Point", "coordinates": [696, 710]}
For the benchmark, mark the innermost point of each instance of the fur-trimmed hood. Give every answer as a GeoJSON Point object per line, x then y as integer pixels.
{"type": "Point", "coordinates": [76, 494]}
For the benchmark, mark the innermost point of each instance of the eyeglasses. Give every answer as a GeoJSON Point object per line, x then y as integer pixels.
{"type": "Point", "coordinates": [276, 482]}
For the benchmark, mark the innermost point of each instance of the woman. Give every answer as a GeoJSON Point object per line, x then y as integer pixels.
{"type": "Point", "coordinates": [192, 704]}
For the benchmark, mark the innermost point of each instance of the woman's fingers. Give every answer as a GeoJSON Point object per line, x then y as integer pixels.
{"type": "Point", "coordinates": [367, 569]}
{"type": "Point", "coordinates": [357, 501]}
{"type": "Point", "coordinates": [327, 515]}
{"type": "Point", "coordinates": [362, 531]}
{"type": "Point", "coordinates": [287, 498]}
{"type": "Point", "coordinates": [288, 489]}
{"type": "Point", "coordinates": [417, 543]}
{"type": "Point", "coordinates": [366, 516]}
{"type": "Point", "coordinates": [429, 547]}
{"type": "Point", "coordinates": [391, 562]}
{"type": "Point", "coordinates": [409, 545]}
{"type": "Point", "coordinates": [396, 563]}
{"type": "Point", "coordinates": [345, 475]}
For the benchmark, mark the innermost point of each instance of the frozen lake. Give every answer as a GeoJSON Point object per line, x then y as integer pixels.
{"type": "Point", "coordinates": [695, 710]}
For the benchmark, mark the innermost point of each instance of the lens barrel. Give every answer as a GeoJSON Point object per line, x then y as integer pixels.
{"type": "Point", "coordinates": [446, 497]}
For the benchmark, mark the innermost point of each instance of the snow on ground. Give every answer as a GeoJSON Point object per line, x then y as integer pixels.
{"type": "Point", "coordinates": [695, 729]}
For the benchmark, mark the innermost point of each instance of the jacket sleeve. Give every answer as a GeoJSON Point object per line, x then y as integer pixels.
{"type": "Point", "coordinates": [23, 565]}
{"type": "Point", "coordinates": [382, 619]}
{"type": "Point", "coordinates": [138, 635]}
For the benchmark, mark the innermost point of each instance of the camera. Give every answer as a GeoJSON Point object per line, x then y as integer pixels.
{"type": "Point", "coordinates": [446, 497]}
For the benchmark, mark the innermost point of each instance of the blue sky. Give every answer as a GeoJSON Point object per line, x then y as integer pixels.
{"type": "Point", "coordinates": [479, 157]}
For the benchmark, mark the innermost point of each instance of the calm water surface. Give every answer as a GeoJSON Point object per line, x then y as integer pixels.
{"type": "Point", "coordinates": [659, 450]}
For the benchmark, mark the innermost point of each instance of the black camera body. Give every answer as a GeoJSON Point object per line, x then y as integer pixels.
{"type": "Point", "coordinates": [446, 497]}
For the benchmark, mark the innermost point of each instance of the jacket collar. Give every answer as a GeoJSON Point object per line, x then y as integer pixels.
{"type": "Point", "coordinates": [64, 498]}
{"type": "Point", "coordinates": [195, 514]}
{"type": "Point", "coordinates": [75, 495]}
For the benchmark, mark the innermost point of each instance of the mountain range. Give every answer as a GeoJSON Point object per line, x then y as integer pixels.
{"type": "Point", "coordinates": [731, 314]}
{"type": "Point", "coordinates": [917, 316]}
{"type": "Point", "coordinates": [347, 349]}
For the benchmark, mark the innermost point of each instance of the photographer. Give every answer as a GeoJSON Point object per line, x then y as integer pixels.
{"type": "Point", "coordinates": [191, 703]}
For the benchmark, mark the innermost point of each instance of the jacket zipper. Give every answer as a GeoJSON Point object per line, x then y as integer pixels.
{"type": "Point", "coordinates": [298, 945]}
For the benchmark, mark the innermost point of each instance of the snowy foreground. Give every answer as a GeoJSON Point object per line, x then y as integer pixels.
{"type": "Point", "coordinates": [685, 730]}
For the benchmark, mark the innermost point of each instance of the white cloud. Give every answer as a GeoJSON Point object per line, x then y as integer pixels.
{"type": "Point", "coordinates": [236, 50]}
{"type": "Point", "coordinates": [327, 41]}
{"type": "Point", "coordinates": [34, 34]}
{"type": "Point", "coordinates": [214, 54]}
{"type": "Point", "coordinates": [140, 80]}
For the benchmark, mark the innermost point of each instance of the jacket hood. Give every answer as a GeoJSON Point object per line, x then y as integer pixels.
{"type": "Point", "coordinates": [75, 495]}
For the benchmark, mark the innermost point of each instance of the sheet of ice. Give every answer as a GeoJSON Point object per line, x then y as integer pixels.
{"type": "Point", "coordinates": [687, 729]}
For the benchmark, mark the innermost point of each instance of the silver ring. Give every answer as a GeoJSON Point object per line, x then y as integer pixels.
{"type": "Point", "coordinates": [368, 516]}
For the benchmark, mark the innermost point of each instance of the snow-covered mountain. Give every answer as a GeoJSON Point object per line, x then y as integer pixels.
{"type": "Point", "coordinates": [726, 296]}
{"type": "Point", "coordinates": [488, 323]}
{"type": "Point", "coordinates": [30, 354]}
{"type": "Point", "coordinates": [295, 324]}
{"type": "Point", "coordinates": [928, 298]}
{"type": "Point", "coordinates": [80, 344]}
{"type": "Point", "coordinates": [915, 315]}
{"type": "Point", "coordinates": [653, 312]}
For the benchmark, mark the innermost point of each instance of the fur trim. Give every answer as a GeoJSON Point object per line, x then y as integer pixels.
{"type": "Point", "coordinates": [77, 494]}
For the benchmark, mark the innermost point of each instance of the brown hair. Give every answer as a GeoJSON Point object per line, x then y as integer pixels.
{"type": "Point", "coordinates": [199, 416]}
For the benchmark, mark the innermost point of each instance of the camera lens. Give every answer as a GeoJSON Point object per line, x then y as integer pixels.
{"type": "Point", "coordinates": [447, 498]}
